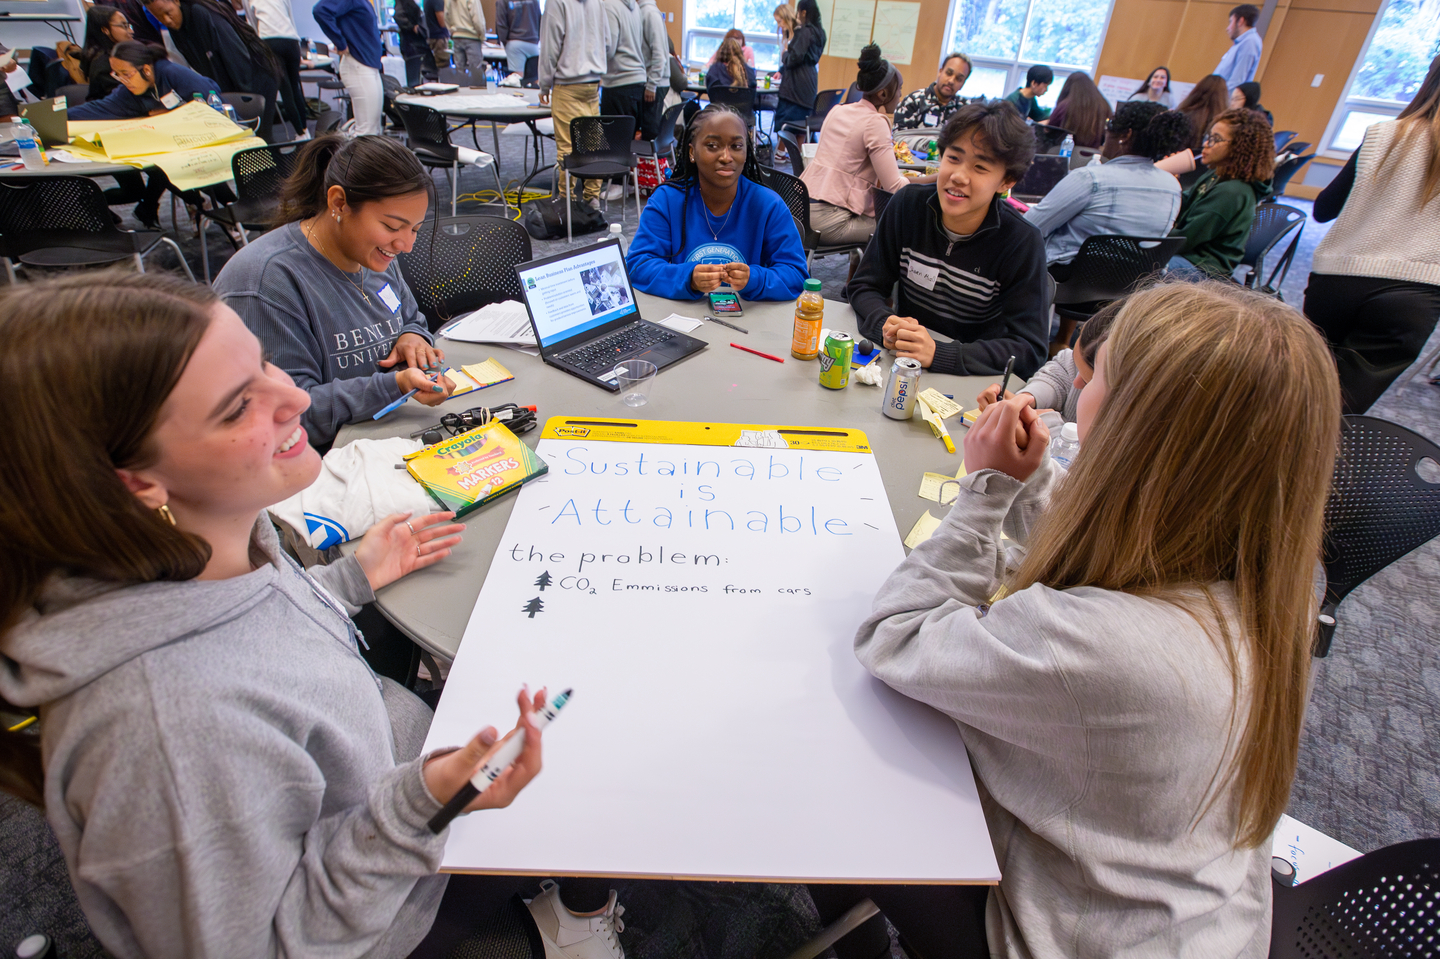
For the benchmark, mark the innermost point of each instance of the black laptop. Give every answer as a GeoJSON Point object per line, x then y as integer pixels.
{"type": "Point", "coordinates": [1045, 172]}
{"type": "Point", "coordinates": [586, 321]}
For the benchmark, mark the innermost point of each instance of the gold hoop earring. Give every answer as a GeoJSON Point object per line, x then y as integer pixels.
{"type": "Point", "coordinates": [164, 510]}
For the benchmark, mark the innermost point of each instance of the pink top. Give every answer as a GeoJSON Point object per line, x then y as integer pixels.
{"type": "Point", "coordinates": [855, 155]}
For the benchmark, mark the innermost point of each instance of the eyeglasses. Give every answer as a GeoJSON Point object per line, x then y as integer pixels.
{"type": "Point", "coordinates": [123, 79]}
{"type": "Point", "coordinates": [1213, 139]}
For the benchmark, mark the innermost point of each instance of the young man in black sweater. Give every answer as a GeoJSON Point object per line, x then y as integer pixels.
{"type": "Point", "coordinates": [968, 264]}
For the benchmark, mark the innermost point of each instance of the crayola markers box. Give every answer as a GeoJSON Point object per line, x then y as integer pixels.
{"type": "Point", "coordinates": [469, 470]}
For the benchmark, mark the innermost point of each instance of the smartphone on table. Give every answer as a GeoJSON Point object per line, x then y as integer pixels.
{"type": "Point", "coordinates": [725, 304]}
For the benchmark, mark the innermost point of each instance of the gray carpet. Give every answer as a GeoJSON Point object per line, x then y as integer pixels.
{"type": "Point", "coordinates": [1369, 765]}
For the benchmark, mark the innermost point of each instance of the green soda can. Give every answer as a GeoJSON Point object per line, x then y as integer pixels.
{"type": "Point", "coordinates": [834, 359]}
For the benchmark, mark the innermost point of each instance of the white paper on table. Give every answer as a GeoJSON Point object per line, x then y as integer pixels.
{"type": "Point", "coordinates": [522, 348]}
{"type": "Point", "coordinates": [678, 323]}
{"type": "Point", "coordinates": [505, 323]}
{"type": "Point", "coordinates": [64, 156]}
{"type": "Point", "coordinates": [1309, 850]}
{"type": "Point", "coordinates": [17, 80]}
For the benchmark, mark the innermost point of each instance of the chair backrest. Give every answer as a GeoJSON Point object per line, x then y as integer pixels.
{"type": "Point", "coordinates": [1271, 224]}
{"type": "Point", "coordinates": [792, 149]}
{"type": "Point", "coordinates": [825, 101]}
{"type": "Point", "coordinates": [461, 263]}
{"type": "Point", "coordinates": [739, 99]}
{"type": "Point", "coordinates": [797, 200]}
{"type": "Point", "coordinates": [1283, 137]}
{"type": "Point", "coordinates": [881, 198]}
{"type": "Point", "coordinates": [1383, 904]}
{"type": "Point", "coordinates": [248, 106]}
{"type": "Point", "coordinates": [1380, 506]}
{"type": "Point", "coordinates": [1110, 266]}
{"type": "Point", "coordinates": [1297, 146]}
{"type": "Point", "coordinates": [665, 139]}
{"type": "Point", "coordinates": [74, 93]}
{"type": "Point", "coordinates": [329, 120]}
{"type": "Point", "coordinates": [601, 139]}
{"type": "Point", "coordinates": [853, 94]}
{"type": "Point", "coordinates": [40, 212]}
{"type": "Point", "coordinates": [1048, 138]}
{"type": "Point", "coordinates": [260, 172]}
{"type": "Point", "coordinates": [425, 127]}
{"type": "Point", "coordinates": [531, 76]}
{"type": "Point", "coordinates": [1285, 172]}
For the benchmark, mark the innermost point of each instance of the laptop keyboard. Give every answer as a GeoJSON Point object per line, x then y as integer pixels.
{"type": "Point", "coordinates": [600, 356]}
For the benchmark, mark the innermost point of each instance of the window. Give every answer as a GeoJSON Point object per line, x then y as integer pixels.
{"type": "Point", "coordinates": [1403, 40]}
{"type": "Point", "coordinates": [1006, 37]}
{"type": "Point", "coordinates": [707, 21]}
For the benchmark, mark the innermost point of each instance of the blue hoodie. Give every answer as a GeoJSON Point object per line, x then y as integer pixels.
{"type": "Point", "coordinates": [758, 231]}
{"type": "Point", "coordinates": [121, 104]}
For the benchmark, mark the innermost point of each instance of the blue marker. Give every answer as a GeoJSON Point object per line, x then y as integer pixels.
{"type": "Point", "coordinates": [401, 401]}
{"type": "Point", "coordinates": [495, 765]}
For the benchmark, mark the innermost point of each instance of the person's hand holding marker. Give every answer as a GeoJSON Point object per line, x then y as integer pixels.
{"type": "Point", "coordinates": [1007, 436]}
{"type": "Point", "coordinates": [431, 389]}
{"type": "Point", "coordinates": [447, 775]}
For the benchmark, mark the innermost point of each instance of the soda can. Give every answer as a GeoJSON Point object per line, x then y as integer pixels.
{"type": "Point", "coordinates": [835, 358]}
{"type": "Point", "coordinates": [901, 390]}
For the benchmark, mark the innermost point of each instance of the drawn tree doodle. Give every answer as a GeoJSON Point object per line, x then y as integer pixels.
{"type": "Point", "coordinates": [534, 606]}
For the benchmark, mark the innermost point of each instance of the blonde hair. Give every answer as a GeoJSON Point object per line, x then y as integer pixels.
{"type": "Point", "coordinates": [786, 13]}
{"type": "Point", "coordinates": [1420, 121]}
{"type": "Point", "coordinates": [1210, 460]}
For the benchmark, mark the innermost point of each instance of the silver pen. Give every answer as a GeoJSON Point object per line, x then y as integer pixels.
{"type": "Point", "coordinates": [716, 319]}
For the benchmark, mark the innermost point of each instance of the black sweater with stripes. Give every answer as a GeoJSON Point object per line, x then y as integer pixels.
{"type": "Point", "coordinates": [986, 292]}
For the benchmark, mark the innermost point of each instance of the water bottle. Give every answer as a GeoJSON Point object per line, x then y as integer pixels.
{"type": "Point", "coordinates": [230, 113]}
{"type": "Point", "coordinates": [31, 152]}
{"type": "Point", "coordinates": [1064, 447]}
{"type": "Point", "coordinates": [213, 101]}
{"type": "Point", "coordinates": [1067, 146]}
{"type": "Point", "coordinates": [618, 236]}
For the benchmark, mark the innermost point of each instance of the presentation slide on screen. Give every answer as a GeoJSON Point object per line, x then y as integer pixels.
{"type": "Point", "coordinates": [578, 294]}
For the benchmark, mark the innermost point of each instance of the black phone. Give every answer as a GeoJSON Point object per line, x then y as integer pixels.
{"type": "Point", "coordinates": [727, 304]}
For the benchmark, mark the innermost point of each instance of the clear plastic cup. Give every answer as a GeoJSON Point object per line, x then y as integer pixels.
{"type": "Point", "coordinates": [634, 378]}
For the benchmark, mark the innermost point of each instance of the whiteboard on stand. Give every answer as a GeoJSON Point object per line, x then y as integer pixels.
{"type": "Point", "coordinates": [702, 603]}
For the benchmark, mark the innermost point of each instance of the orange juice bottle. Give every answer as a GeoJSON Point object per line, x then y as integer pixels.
{"type": "Point", "coordinates": [809, 316]}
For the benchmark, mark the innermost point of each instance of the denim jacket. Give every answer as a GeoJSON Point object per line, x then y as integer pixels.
{"type": "Point", "coordinates": [1126, 195]}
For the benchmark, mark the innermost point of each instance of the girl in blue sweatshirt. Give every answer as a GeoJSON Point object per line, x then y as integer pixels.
{"type": "Point", "coordinates": [711, 223]}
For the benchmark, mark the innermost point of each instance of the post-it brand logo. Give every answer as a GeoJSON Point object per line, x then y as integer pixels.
{"type": "Point", "coordinates": [573, 432]}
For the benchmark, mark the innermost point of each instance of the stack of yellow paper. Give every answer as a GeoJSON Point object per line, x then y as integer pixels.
{"type": "Point", "coordinates": [193, 144]}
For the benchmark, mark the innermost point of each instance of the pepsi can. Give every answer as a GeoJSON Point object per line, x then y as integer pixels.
{"type": "Point", "coordinates": [902, 388]}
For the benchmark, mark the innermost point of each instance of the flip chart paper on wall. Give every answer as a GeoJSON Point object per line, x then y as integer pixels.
{"type": "Point", "coordinates": [827, 19]}
{"type": "Point", "coordinates": [721, 725]}
{"type": "Point", "coordinates": [849, 28]}
{"type": "Point", "coordinates": [1119, 89]}
{"type": "Point", "coordinates": [894, 30]}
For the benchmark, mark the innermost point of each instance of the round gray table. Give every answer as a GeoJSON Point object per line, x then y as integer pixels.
{"type": "Point", "coordinates": [464, 103]}
{"type": "Point", "coordinates": [718, 385]}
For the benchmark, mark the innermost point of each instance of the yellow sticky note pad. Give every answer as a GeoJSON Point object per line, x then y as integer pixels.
{"type": "Point", "coordinates": [943, 405]}
{"type": "Point", "coordinates": [923, 529]}
{"type": "Point", "coordinates": [930, 485]}
{"type": "Point", "coordinates": [477, 376]}
{"type": "Point", "coordinates": [970, 416]}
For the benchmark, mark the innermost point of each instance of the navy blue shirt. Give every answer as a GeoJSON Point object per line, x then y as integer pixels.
{"type": "Point", "coordinates": [351, 26]}
{"type": "Point", "coordinates": [121, 104]}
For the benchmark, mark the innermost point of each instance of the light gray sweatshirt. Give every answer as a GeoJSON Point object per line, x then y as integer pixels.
{"type": "Point", "coordinates": [657, 51]}
{"type": "Point", "coordinates": [1095, 721]}
{"type": "Point", "coordinates": [625, 55]}
{"type": "Point", "coordinates": [1053, 386]}
{"type": "Point", "coordinates": [223, 771]}
{"type": "Point", "coordinates": [574, 43]}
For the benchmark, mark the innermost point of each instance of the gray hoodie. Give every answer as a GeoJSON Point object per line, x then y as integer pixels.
{"type": "Point", "coordinates": [1053, 386]}
{"type": "Point", "coordinates": [625, 54]}
{"type": "Point", "coordinates": [1095, 721]}
{"type": "Point", "coordinates": [657, 53]}
{"type": "Point", "coordinates": [574, 43]}
{"type": "Point", "coordinates": [223, 771]}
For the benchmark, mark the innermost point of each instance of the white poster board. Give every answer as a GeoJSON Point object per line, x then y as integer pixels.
{"type": "Point", "coordinates": [702, 602]}
{"type": "Point", "coordinates": [849, 29]}
{"type": "Point", "coordinates": [895, 25]}
{"type": "Point", "coordinates": [1119, 89]}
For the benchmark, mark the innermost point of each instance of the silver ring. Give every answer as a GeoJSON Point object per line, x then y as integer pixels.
{"type": "Point", "coordinates": [412, 529]}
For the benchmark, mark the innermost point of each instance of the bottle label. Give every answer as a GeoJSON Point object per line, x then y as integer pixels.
{"type": "Point", "coordinates": [806, 339]}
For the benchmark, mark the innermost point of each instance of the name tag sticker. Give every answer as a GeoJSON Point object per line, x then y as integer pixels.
{"type": "Point", "coordinates": [388, 297]}
{"type": "Point", "coordinates": [922, 275]}
{"type": "Point", "coordinates": [932, 120]}
{"type": "Point", "coordinates": [59, 104]}
{"type": "Point", "coordinates": [170, 100]}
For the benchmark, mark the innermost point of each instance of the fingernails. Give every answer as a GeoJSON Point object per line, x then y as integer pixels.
{"type": "Point", "coordinates": [438, 388]}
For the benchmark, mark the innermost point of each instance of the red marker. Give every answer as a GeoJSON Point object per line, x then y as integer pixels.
{"type": "Point", "coordinates": [757, 353]}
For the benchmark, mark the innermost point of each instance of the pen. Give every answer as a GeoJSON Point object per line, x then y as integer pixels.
{"type": "Point", "coordinates": [757, 352]}
{"type": "Point", "coordinates": [1009, 368]}
{"type": "Point", "coordinates": [495, 765]}
{"type": "Point", "coordinates": [392, 407]}
{"type": "Point", "coordinates": [716, 319]}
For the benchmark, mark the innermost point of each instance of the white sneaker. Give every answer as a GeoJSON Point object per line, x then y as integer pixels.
{"type": "Point", "coordinates": [569, 935]}
{"type": "Point", "coordinates": [615, 192]}
{"type": "Point", "coordinates": [513, 80]}
{"type": "Point", "coordinates": [594, 204]}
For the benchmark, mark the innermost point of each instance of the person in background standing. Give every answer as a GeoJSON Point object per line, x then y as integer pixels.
{"type": "Point", "coordinates": [105, 26]}
{"type": "Point", "coordinates": [466, 21]}
{"type": "Point", "coordinates": [1375, 289]}
{"type": "Point", "coordinates": [800, 81]}
{"type": "Point", "coordinates": [217, 44]}
{"type": "Point", "coordinates": [1026, 99]}
{"type": "Point", "coordinates": [275, 23]}
{"type": "Point", "coordinates": [1082, 109]}
{"type": "Point", "coordinates": [622, 91]}
{"type": "Point", "coordinates": [410, 29]}
{"type": "Point", "coordinates": [355, 35]}
{"type": "Point", "coordinates": [1156, 88]}
{"type": "Point", "coordinates": [655, 46]}
{"type": "Point", "coordinates": [785, 25]}
{"type": "Point", "coordinates": [932, 106]}
{"type": "Point", "coordinates": [574, 40]}
{"type": "Point", "coordinates": [438, 30]}
{"type": "Point", "coordinates": [1243, 58]}
{"type": "Point", "coordinates": [517, 25]}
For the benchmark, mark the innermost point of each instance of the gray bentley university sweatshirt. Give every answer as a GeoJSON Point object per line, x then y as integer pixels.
{"type": "Point", "coordinates": [225, 774]}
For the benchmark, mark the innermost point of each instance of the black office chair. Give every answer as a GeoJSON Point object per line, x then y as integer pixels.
{"type": "Point", "coordinates": [853, 94]}
{"type": "Point", "coordinates": [1380, 508]}
{"type": "Point", "coordinates": [259, 174]}
{"type": "Point", "coordinates": [74, 93]}
{"type": "Point", "coordinates": [531, 77]}
{"type": "Point", "coordinates": [1285, 172]}
{"type": "Point", "coordinates": [792, 150]}
{"type": "Point", "coordinates": [429, 138]}
{"type": "Point", "coordinates": [390, 89]}
{"type": "Point", "coordinates": [1384, 905]}
{"type": "Point", "coordinates": [882, 200]}
{"type": "Point", "coordinates": [249, 108]}
{"type": "Point", "coordinates": [1048, 138]}
{"type": "Point", "coordinates": [1273, 223]}
{"type": "Point", "coordinates": [1282, 137]}
{"type": "Point", "coordinates": [797, 199]}
{"type": "Point", "coordinates": [64, 221]}
{"type": "Point", "coordinates": [739, 99]}
{"type": "Point", "coordinates": [825, 101]}
{"type": "Point", "coordinates": [463, 263]}
{"type": "Point", "coordinates": [1107, 267]}
{"type": "Point", "coordinates": [601, 149]}
{"type": "Point", "coordinates": [328, 122]}
{"type": "Point", "coordinates": [664, 143]}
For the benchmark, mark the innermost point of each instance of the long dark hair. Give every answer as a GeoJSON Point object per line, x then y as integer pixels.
{"type": "Point", "coordinates": [139, 54]}
{"type": "Point", "coordinates": [1086, 108]}
{"type": "Point", "coordinates": [811, 9]}
{"type": "Point", "coordinates": [367, 168]}
{"type": "Point", "coordinates": [1209, 99]}
{"type": "Point", "coordinates": [686, 176]}
{"type": "Point", "coordinates": [120, 342]}
{"type": "Point", "coordinates": [97, 19]}
{"type": "Point", "coordinates": [1146, 85]}
{"type": "Point", "coordinates": [1155, 132]}
{"type": "Point", "coordinates": [260, 53]}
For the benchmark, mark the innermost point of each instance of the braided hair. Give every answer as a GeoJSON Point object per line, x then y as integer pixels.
{"type": "Point", "coordinates": [686, 176]}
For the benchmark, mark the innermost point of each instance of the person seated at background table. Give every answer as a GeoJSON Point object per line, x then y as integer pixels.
{"type": "Point", "coordinates": [967, 263]}
{"type": "Point", "coordinates": [712, 223]}
{"type": "Point", "coordinates": [1082, 109]}
{"type": "Point", "coordinates": [1246, 96]}
{"type": "Point", "coordinates": [1132, 705]}
{"type": "Point", "coordinates": [1126, 194]}
{"type": "Point", "coordinates": [216, 42]}
{"type": "Point", "coordinates": [1155, 89]}
{"type": "Point", "coordinates": [745, 50]}
{"type": "Point", "coordinates": [1026, 99]}
{"type": "Point", "coordinates": [1057, 385]}
{"type": "Point", "coordinates": [105, 26]}
{"type": "Point", "coordinates": [1216, 212]}
{"type": "Point", "coordinates": [1202, 105]}
{"type": "Point", "coordinates": [856, 156]}
{"type": "Point", "coordinates": [323, 291]}
{"type": "Point", "coordinates": [729, 69]}
{"type": "Point", "coordinates": [932, 106]}
{"type": "Point", "coordinates": [223, 771]}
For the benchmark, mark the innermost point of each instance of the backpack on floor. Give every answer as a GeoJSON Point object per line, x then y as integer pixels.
{"type": "Point", "coordinates": [545, 219]}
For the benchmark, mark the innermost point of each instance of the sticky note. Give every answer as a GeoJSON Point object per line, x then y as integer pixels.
{"type": "Point", "coordinates": [923, 529]}
{"type": "Point", "coordinates": [943, 405]}
{"type": "Point", "coordinates": [930, 485]}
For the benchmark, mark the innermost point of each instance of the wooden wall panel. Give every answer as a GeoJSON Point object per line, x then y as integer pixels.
{"type": "Point", "coordinates": [1314, 41]}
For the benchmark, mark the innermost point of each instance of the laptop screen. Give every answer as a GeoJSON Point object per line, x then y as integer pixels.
{"type": "Point", "coordinates": [576, 292]}
{"type": "Point", "coordinates": [1043, 176]}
